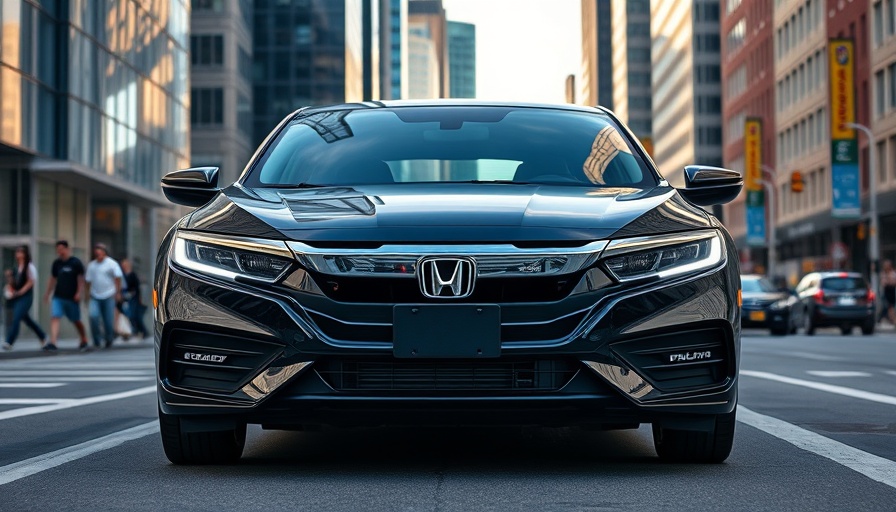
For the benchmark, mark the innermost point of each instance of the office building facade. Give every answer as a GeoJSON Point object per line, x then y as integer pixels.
{"type": "Point", "coordinates": [686, 85]}
{"type": "Point", "coordinates": [427, 19]}
{"type": "Point", "coordinates": [94, 101]}
{"type": "Point", "coordinates": [394, 48]}
{"type": "Point", "coordinates": [596, 80]}
{"type": "Point", "coordinates": [462, 59]}
{"type": "Point", "coordinates": [630, 64]}
{"type": "Point", "coordinates": [883, 118]}
{"type": "Point", "coordinates": [310, 53]}
{"type": "Point", "coordinates": [221, 86]}
{"type": "Point", "coordinates": [748, 91]}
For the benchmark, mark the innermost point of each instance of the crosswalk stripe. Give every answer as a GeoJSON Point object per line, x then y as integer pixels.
{"type": "Point", "coordinates": [28, 467]}
{"type": "Point", "coordinates": [28, 411]}
{"type": "Point", "coordinates": [874, 467]}
{"type": "Point", "coordinates": [820, 386]}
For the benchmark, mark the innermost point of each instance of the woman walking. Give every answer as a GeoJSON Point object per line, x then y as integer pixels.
{"type": "Point", "coordinates": [24, 277]}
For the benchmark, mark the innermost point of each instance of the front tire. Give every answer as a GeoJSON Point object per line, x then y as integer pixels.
{"type": "Point", "coordinates": [217, 447]}
{"type": "Point", "coordinates": [690, 446]}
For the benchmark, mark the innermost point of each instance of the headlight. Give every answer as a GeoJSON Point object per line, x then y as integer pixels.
{"type": "Point", "coordinates": [232, 257]}
{"type": "Point", "coordinates": [663, 256]}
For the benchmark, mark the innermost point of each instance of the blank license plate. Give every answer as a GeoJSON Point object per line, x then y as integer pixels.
{"type": "Point", "coordinates": [847, 301]}
{"type": "Point", "coordinates": [757, 316]}
{"type": "Point", "coordinates": [446, 331]}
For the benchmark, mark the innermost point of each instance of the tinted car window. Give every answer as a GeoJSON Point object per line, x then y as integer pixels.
{"type": "Point", "coordinates": [452, 144]}
{"type": "Point", "coordinates": [757, 285]}
{"type": "Point", "coordinates": [843, 284]}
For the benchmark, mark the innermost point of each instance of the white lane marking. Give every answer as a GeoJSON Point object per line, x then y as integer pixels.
{"type": "Point", "coordinates": [874, 467]}
{"type": "Point", "coordinates": [830, 388]}
{"type": "Point", "coordinates": [63, 380]}
{"type": "Point", "coordinates": [836, 374]}
{"type": "Point", "coordinates": [32, 385]}
{"type": "Point", "coordinates": [34, 401]}
{"type": "Point", "coordinates": [801, 355]}
{"type": "Point", "coordinates": [28, 467]}
{"type": "Point", "coordinates": [28, 411]}
{"type": "Point", "coordinates": [890, 372]}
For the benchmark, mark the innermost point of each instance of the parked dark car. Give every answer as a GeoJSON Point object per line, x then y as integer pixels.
{"type": "Point", "coordinates": [836, 299]}
{"type": "Point", "coordinates": [446, 263]}
{"type": "Point", "coordinates": [767, 307]}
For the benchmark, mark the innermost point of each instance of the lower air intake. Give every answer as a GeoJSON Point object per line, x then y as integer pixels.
{"type": "Point", "coordinates": [452, 376]}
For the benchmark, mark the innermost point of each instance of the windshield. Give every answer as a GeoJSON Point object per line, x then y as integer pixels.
{"type": "Point", "coordinates": [843, 284]}
{"type": "Point", "coordinates": [757, 285]}
{"type": "Point", "coordinates": [451, 144]}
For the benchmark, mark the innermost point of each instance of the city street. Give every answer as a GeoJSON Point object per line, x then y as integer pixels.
{"type": "Point", "coordinates": [816, 432]}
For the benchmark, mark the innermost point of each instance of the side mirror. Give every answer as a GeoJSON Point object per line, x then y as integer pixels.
{"type": "Point", "coordinates": [707, 186]}
{"type": "Point", "coordinates": [191, 187]}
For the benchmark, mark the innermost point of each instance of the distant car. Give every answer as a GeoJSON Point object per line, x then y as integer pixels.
{"type": "Point", "coordinates": [766, 307]}
{"type": "Point", "coordinates": [836, 299]}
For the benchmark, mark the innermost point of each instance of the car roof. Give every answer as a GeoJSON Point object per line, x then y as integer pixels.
{"type": "Point", "coordinates": [449, 103]}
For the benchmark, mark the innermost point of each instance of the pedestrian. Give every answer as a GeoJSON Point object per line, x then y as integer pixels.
{"type": "Point", "coordinates": [888, 283]}
{"type": "Point", "coordinates": [24, 277]}
{"type": "Point", "coordinates": [133, 303]}
{"type": "Point", "coordinates": [66, 287]}
{"type": "Point", "coordinates": [104, 288]}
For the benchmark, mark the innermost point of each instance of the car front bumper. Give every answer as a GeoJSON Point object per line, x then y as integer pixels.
{"type": "Point", "coordinates": [662, 351]}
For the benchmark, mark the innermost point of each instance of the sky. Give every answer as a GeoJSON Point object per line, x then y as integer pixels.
{"type": "Point", "coordinates": [524, 48]}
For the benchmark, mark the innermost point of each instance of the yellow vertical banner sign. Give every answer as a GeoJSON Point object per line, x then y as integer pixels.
{"type": "Point", "coordinates": [845, 200]}
{"type": "Point", "coordinates": [755, 207]}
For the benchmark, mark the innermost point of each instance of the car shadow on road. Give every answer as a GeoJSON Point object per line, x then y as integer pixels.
{"type": "Point", "coordinates": [492, 450]}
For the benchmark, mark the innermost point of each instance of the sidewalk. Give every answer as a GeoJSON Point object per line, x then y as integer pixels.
{"type": "Point", "coordinates": [30, 347]}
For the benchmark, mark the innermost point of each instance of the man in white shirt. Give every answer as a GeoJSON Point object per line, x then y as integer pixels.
{"type": "Point", "coordinates": [104, 287]}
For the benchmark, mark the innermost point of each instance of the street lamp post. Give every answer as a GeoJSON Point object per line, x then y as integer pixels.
{"type": "Point", "coordinates": [770, 186]}
{"type": "Point", "coordinates": [873, 241]}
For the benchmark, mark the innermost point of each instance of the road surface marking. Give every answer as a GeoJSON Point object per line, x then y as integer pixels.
{"type": "Point", "coordinates": [890, 372]}
{"type": "Point", "coordinates": [876, 468]}
{"type": "Point", "coordinates": [34, 401]}
{"type": "Point", "coordinates": [31, 384]}
{"type": "Point", "coordinates": [34, 465]}
{"type": "Point", "coordinates": [77, 379]}
{"type": "Point", "coordinates": [835, 374]}
{"type": "Point", "coordinates": [830, 388]}
{"type": "Point", "coordinates": [28, 411]}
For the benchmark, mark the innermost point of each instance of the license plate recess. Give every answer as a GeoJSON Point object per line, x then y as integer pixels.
{"type": "Point", "coordinates": [442, 331]}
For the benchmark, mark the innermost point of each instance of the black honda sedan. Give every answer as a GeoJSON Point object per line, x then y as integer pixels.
{"type": "Point", "coordinates": [448, 263]}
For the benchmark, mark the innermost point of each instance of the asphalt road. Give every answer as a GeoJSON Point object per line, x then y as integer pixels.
{"type": "Point", "coordinates": [816, 431]}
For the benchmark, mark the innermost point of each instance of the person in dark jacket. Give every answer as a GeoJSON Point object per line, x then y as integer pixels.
{"type": "Point", "coordinates": [24, 278]}
{"type": "Point", "coordinates": [133, 305]}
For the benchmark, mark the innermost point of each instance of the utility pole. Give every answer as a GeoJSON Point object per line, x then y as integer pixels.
{"type": "Point", "coordinates": [873, 240]}
{"type": "Point", "coordinates": [770, 186]}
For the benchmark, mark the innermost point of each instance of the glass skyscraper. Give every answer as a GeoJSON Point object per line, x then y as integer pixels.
{"type": "Point", "coordinates": [462, 59]}
{"type": "Point", "coordinates": [306, 53]}
{"type": "Point", "coordinates": [94, 106]}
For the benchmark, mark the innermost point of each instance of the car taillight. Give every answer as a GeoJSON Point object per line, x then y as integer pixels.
{"type": "Point", "coordinates": [869, 296]}
{"type": "Point", "coordinates": [819, 297]}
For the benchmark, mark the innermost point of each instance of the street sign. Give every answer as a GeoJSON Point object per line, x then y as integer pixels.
{"type": "Point", "coordinates": [845, 199]}
{"type": "Point", "coordinates": [755, 207]}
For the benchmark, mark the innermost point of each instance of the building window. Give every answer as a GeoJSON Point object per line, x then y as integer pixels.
{"type": "Point", "coordinates": [207, 50]}
{"type": "Point", "coordinates": [891, 78]}
{"type": "Point", "coordinates": [891, 17]}
{"type": "Point", "coordinates": [207, 107]}
{"type": "Point", "coordinates": [880, 105]}
{"type": "Point", "coordinates": [878, 16]}
{"type": "Point", "coordinates": [736, 35]}
{"type": "Point", "coordinates": [708, 74]}
{"type": "Point", "coordinates": [208, 5]}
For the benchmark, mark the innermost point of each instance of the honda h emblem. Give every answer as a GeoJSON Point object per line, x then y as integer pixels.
{"type": "Point", "coordinates": [446, 278]}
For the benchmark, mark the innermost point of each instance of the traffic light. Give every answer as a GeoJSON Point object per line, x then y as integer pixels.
{"type": "Point", "coordinates": [796, 182]}
{"type": "Point", "coordinates": [860, 231]}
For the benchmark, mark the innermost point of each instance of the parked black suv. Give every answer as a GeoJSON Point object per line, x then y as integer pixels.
{"type": "Point", "coordinates": [448, 263]}
{"type": "Point", "coordinates": [836, 299]}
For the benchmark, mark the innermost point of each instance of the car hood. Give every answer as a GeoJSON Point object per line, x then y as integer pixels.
{"type": "Point", "coordinates": [446, 212]}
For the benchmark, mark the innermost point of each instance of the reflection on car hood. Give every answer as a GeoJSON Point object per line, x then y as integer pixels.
{"type": "Point", "coordinates": [447, 212]}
